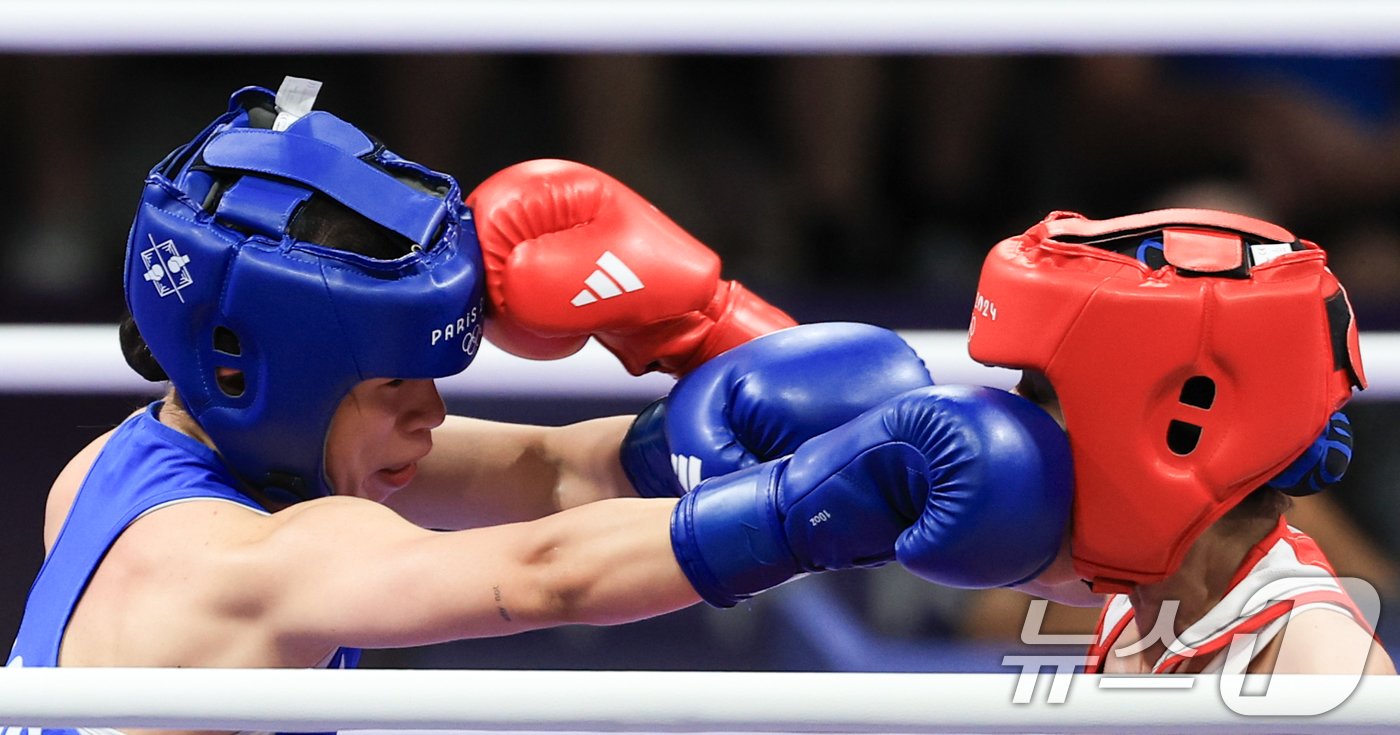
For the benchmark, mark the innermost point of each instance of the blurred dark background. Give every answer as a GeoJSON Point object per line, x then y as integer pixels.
{"type": "Point", "coordinates": [861, 187]}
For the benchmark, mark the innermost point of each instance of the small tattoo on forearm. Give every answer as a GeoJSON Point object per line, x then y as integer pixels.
{"type": "Point", "coordinates": [505, 614]}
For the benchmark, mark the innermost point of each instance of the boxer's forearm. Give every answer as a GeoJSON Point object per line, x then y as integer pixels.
{"type": "Point", "coordinates": [604, 563]}
{"type": "Point", "coordinates": [484, 473]}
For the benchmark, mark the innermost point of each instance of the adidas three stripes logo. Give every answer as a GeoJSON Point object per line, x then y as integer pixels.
{"type": "Point", "coordinates": [612, 278]}
{"type": "Point", "coordinates": [687, 469]}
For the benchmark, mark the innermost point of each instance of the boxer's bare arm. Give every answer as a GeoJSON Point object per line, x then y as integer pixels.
{"type": "Point", "coordinates": [483, 473]}
{"type": "Point", "coordinates": [1322, 641]}
{"type": "Point", "coordinates": [399, 585]}
{"type": "Point", "coordinates": [207, 583]}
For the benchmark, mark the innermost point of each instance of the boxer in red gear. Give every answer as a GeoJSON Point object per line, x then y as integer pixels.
{"type": "Point", "coordinates": [571, 253]}
{"type": "Point", "coordinates": [1190, 355]}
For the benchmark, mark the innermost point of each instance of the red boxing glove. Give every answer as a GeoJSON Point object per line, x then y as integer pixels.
{"type": "Point", "coordinates": [571, 252]}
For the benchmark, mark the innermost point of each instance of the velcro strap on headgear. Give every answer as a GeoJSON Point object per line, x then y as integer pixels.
{"type": "Point", "coordinates": [1194, 241]}
{"type": "Point", "coordinates": [369, 191]}
{"type": "Point", "coordinates": [263, 206]}
{"type": "Point", "coordinates": [1070, 224]}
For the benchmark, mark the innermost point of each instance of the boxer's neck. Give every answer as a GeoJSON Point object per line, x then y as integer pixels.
{"type": "Point", "coordinates": [1199, 584]}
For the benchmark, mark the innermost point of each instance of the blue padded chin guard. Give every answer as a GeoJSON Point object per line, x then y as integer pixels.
{"type": "Point", "coordinates": [209, 256]}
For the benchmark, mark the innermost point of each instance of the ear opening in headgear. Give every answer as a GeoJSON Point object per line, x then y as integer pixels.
{"type": "Point", "coordinates": [230, 379]}
{"type": "Point", "coordinates": [231, 382]}
{"type": "Point", "coordinates": [1183, 437]}
{"type": "Point", "coordinates": [1198, 391]}
{"type": "Point", "coordinates": [226, 341]}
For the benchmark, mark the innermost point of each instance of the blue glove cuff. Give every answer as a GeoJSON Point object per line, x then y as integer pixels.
{"type": "Point", "coordinates": [728, 537]}
{"type": "Point", "coordinates": [646, 455]}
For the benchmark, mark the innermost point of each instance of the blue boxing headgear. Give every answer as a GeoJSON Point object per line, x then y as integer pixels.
{"type": "Point", "coordinates": [214, 280]}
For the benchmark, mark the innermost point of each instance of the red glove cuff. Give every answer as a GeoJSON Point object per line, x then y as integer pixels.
{"type": "Point", "coordinates": [739, 315]}
{"type": "Point", "coordinates": [677, 346]}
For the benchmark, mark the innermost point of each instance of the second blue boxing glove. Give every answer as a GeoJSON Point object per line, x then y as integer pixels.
{"type": "Point", "coordinates": [970, 486]}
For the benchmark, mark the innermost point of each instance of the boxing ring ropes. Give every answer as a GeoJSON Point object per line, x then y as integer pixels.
{"type": "Point", "coordinates": [629, 701]}
{"type": "Point", "coordinates": [82, 359]}
{"type": "Point", "coordinates": [722, 26]}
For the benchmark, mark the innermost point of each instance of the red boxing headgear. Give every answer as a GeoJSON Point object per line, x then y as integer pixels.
{"type": "Point", "coordinates": [1184, 387]}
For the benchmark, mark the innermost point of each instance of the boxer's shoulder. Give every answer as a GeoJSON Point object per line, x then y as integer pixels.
{"type": "Point", "coordinates": [65, 487]}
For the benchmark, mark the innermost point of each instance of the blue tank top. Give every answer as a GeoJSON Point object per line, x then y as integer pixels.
{"type": "Point", "coordinates": [144, 465]}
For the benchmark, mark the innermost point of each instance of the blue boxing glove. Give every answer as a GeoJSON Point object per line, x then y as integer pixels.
{"type": "Point", "coordinates": [969, 486]}
{"type": "Point", "coordinates": [1323, 464]}
{"type": "Point", "coordinates": [762, 399]}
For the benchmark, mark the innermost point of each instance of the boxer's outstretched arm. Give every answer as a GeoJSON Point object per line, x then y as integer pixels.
{"type": "Point", "coordinates": [484, 473]}
{"type": "Point", "coordinates": [400, 585]}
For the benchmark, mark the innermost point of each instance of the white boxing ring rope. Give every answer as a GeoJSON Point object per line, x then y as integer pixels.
{"type": "Point", "coordinates": [85, 359]}
{"type": "Point", "coordinates": [747, 26]}
{"type": "Point", "coordinates": [633, 701]}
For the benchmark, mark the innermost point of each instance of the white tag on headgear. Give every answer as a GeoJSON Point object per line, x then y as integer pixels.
{"type": "Point", "coordinates": [1263, 253]}
{"type": "Point", "coordinates": [295, 98]}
